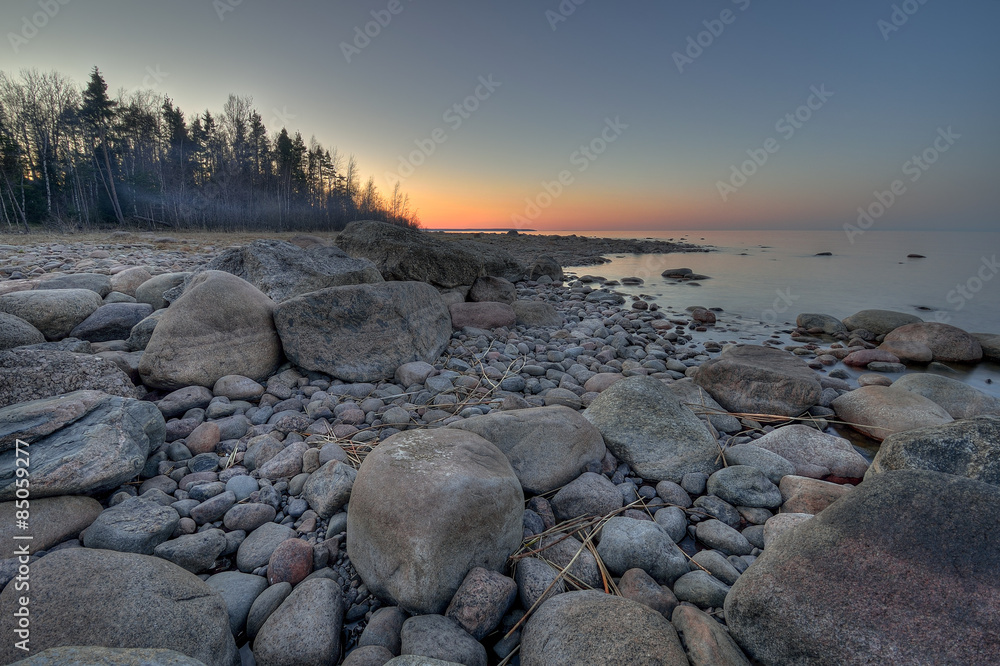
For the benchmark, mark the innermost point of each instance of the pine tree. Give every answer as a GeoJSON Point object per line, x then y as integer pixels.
{"type": "Point", "coordinates": [98, 112]}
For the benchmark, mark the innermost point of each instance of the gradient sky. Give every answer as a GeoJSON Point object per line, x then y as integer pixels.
{"type": "Point", "coordinates": [892, 92]}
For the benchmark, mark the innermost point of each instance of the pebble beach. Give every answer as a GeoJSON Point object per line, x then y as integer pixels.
{"type": "Point", "coordinates": [395, 447]}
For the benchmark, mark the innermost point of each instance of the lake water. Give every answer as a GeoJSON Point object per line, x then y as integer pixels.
{"type": "Point", "coordinates": [772, 276]}
{"type": "Point", "coordinates": [775, 275]}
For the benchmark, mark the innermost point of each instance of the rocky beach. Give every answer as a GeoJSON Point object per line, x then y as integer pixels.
{"type": "Point", "coordinates": [388, 446]}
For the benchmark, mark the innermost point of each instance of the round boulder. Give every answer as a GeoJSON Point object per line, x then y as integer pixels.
{"type": "Point", "coordinates": [456, 504]}
{"type": "Point", "coordinates": [84, 596]}
{"type": "Point", "coordinates": [220, 326]}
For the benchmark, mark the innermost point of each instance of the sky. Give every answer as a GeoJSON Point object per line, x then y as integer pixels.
{"type": "Point", "coordinates": [587, 114]}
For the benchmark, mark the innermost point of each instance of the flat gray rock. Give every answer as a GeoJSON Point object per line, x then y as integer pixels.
{"type": "Point", "coordinates": [83, 442]}
{"type": "Point", "coordinates": [283, 270]}
{"type": "Point", "coordinates": [441, 637]}
{"type": "Point", "coordinates": [31, 374]}
{"type": "Point", "coordinates": [102, 656]}
{"type": "Point", "coordinates": [362, 333]}
{"type": "Point", "coordinates": [547, 446]}
{"type": "Point", "coordinates": [136, 525]}
{"type": "Point", "coordinates": [113, 321]}
{"type": "Point", "coordinates": [54, 312]}
{"type": "Point", "coordinates": [645, 425]}
{"type": "Point", "coordinates": [627, 543]}
{"type": "Point", "coordinates": [760, 380]}
{"type": "Point", "coordinates": [969, 448]}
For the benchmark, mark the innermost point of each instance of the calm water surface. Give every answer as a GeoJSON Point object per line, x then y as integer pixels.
{"type": "Point", "coordinates": [770, 277]}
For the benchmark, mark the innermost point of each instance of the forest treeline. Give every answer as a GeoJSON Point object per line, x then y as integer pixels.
{"type": "Point", "coordinates": [76, 158]}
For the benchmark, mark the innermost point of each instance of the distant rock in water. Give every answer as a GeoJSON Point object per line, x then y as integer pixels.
{"type": "Point", "coordinates": [915, 256]}
{"type": "Point", "coordinates": [823, 254]}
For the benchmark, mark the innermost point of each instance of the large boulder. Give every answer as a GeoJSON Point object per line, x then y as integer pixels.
{"type": "Point", "coordinates": [15, 332]}
{"type": "Point", "coordinates": [32, 374]}
{"type": "Point", "coordinates": [220, 326]}
{"type": "Point", "coordinates": [600, 629]}
{"type": "Point", "coordinates": [947, 343]}
{"type": "Point", "coordinates": [902, 570]}
{"type": "Point", "coordinates": [760, 380]}
{"type": "Point", "coordinates": [113, 321]}
{"type": "Point", "coordinates": [957, 398]}
{"type": "Point", "coordinates": [82, 442]}
{"type": "Point", "coordinates": [54, 312]}
{"type": "Point", "coordinates": [283, 270]}
{"type": "Point", "coordinates": [362, 333]}
{"type": "Point", "coordinates": [83, 596]}
{"type": "Point", "coordinates": [969, 448]}
{"type": "Point", "coordinates": [401, 253]}
{"type": "Point", "coordinates": [645, 425]}
{"type": "Point", "coordinates": [456, 504]}
{"type": "Point", "coordinates": [880, 411]}
{"type": "Point", "coordinates": [815, 454]}
{"type": "Point", "coordinates": [879, 322]}
{"type": "Point", "coordinates": [547, 446]}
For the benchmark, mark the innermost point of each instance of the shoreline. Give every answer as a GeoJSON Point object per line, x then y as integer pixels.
{"type": "Point", "coordinates": [295, 439]}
